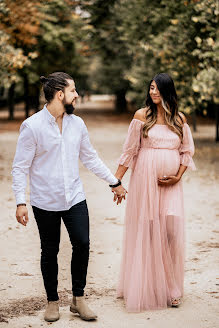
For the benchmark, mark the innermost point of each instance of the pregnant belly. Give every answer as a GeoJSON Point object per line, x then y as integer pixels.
{"type": "Point", "coordinates": [167, 162]}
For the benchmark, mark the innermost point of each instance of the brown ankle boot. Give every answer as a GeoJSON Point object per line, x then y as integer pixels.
{"type": "Point", "coordinates": [80, 306]}
{"type": "Point", "coordinates": [52, 311]}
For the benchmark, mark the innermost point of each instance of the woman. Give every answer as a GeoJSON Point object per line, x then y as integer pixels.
{"type": "Point", "coordinates": [159, 148]}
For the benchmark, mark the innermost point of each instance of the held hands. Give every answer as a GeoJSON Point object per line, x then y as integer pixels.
{"type": "Point", "coordinates": [119, 194]}
{"type": "Point", "coordinates": [22, 215]}
{"type": "Point", "coordinates": [168, 181]}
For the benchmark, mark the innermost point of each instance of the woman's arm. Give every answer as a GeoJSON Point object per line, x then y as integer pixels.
{"type": "Point", "coordinates": [119, 175]}
{"type": "Point", "coordinates": [181, 171]}
{"type": "Point", "coordinates": [186, 153]}
{"type": "Point", "coordinates": [121, 171]}
{"type": "Point", "coordinates": [171, 180]}
{"type": "Point", "coordinates": [130, 148]}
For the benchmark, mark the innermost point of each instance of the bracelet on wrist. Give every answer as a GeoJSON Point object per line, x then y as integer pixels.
{"type": "Point", "coordinates": [116, 185]}
{"type": "Point", "coordinates": [21, 205]}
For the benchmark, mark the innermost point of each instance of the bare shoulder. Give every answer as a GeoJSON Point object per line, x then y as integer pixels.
{"type": "Point", "coordinates": [140, 114]}
{"type": "Point", "coordinates": [183, 118]}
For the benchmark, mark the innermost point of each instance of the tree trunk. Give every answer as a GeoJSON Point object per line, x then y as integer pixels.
{"type": "Point", "coordinates": [194, 121]}
{"type": "Point", "coordinates": [11, 101]}
{"type": "Point", "coordinates": [26, 96]}
{"type": "Point", "coordinates": [217, 122]}
{"type": "Point", "coordinates": [121, 103]}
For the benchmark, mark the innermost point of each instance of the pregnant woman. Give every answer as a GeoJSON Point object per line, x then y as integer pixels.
{"type": "Point", "coordinates": [159, 148]}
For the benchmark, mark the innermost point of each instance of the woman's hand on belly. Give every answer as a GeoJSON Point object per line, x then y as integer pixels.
{"type": "Point", "coordinates": [168, 181]}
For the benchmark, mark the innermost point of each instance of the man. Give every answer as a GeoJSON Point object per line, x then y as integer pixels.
{"type": "Point", "coordinates": [49, 146]}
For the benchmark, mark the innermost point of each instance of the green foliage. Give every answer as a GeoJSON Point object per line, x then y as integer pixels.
{"type": "Point", "coordinates": [106, 43]}
{"type": "Point", "coordinates": [55, 44]}
{"type": "Point", "coordinates": [11, 60]}
{"type": "Point", "coordinates": [59, 42]}
{"type": "Point", "coordinates": [13, 55]}
{"type": "Point", "coordinates": [206, 82]}
{"type": "Point", "coordinates": [114, 46]}
{"type": "Point", "coordinates": [137, 39]}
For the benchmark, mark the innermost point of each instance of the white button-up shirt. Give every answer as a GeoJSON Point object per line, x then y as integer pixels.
{"type": "Point", "coordinates": [51, 160]}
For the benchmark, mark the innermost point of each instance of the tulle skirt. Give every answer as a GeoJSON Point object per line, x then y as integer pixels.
{"type": "Point", "coordinates": [152, 267]}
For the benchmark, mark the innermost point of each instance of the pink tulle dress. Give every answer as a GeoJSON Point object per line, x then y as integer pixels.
{"type": "Point", "coordinates": [152, 268]}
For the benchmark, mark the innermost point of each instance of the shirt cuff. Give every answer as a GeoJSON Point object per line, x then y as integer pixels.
{"type": "Point", "coordinates": [112, 180]}
{"type": "Point", "coordinates": [20, 199]}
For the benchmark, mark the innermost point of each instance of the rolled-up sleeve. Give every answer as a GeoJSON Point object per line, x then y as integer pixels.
{"type": "Point", "coordinates": [187, 148]}
{"type": "Point", "coordinates": [91, 160]}
{"type": "Point", "coordinates": [132, 144]}
{"type": "Point", "coordinates": [25, 151]}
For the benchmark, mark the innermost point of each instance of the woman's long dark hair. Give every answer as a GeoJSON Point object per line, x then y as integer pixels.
{"type": "Point", "coordinates": [168, 95]}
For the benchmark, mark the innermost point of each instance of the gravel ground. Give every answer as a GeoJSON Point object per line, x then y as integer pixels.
{"type": "Point", "coordinates": [22, 296]}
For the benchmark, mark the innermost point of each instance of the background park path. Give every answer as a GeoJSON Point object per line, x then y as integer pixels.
{"type": "Point", "coordinates": [22, 297]}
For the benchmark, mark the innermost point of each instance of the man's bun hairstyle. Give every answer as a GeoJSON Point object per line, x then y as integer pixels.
{"type": "Point", "coordinates": [43, 79]}
{"type": "Point", "coordinates": [54, 82]}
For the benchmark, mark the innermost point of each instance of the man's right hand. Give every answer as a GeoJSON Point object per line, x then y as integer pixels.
{"type": "Point", "coordinates": [22, 214]}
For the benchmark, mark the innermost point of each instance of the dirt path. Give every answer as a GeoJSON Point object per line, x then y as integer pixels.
{"type": "Point", "coordinates": [22, 296]}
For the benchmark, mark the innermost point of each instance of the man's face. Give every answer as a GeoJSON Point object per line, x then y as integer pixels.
{"type": "Point", "coordinates": [70, 96]}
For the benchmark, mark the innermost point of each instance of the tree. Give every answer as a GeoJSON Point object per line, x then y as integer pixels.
{"type": "Point", "coordinates": [49, 34]}
{"type": "Point", "coordinates": [19, 28]}
{"type": "Point", "coordinates": [106, 43]}
{"type": "Point", "coordinates": [177, 37]}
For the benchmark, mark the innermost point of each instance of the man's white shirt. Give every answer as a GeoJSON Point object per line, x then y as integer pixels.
{"type": "Point", "coordinates": [51, 160]}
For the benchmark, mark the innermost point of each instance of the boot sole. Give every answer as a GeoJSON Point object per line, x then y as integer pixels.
{"type": "Point", "coordinates": [51, 320]}
{"type": "Point", "coordinates": [83, 318]}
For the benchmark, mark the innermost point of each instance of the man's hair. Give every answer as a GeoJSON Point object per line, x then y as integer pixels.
{"type": "Point", "coordinates": [54, 82]}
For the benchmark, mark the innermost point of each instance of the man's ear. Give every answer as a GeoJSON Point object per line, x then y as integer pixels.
{"type": "Point", "coordinates": [60, 95]}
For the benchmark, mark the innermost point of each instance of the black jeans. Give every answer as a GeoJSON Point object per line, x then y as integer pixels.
{"type": "Point", "coordinates": [76, 220]}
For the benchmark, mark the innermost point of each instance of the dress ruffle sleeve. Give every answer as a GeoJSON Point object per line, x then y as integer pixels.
{"type": "Point", "coordinates": [132, 144]}
{"type": "Point", "coordinates": [187, 148]}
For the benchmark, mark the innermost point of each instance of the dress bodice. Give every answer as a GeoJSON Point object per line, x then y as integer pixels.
{"type": "Point", "coordinates": [160, 136]}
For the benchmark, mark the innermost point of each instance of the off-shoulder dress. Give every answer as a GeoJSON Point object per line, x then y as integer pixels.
{"type": "Point", "coordinates": [152, 267]}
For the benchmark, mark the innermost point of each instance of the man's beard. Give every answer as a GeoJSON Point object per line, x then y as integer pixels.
{"type": "Point", "coordinates": [69, 108]}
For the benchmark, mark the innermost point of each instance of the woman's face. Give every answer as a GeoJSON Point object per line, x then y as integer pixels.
{"type": "Point", "coordinates": [155, 93]}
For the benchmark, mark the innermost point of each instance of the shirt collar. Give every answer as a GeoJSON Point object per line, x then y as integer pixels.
{"type": "Point", "coordinates": [50, 117]}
